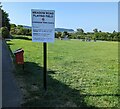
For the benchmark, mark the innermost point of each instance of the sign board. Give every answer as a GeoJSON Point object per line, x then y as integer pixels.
{"type": "Point", "coordinates": [43, 25]}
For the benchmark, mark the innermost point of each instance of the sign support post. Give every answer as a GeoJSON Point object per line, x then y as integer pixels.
{"type": "Point", "coordinates": [45, 65]}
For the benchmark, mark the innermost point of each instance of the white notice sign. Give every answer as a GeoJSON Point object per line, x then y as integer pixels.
{"type": "Point", "coordinates": [43, 25]}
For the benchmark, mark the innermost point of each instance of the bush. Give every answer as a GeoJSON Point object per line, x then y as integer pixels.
{"type": "Point", "coordinates": [12, 31]}
{"type": "Point", "coordinates": [5, 32]}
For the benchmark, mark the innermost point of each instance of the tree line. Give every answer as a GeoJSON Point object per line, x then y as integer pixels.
{"type": "Point", "coordinates": [95, 35]}
{"type": "Point", "coordinates": [20, 30]}
{"type": "Point", "coordinates": [79, 34]}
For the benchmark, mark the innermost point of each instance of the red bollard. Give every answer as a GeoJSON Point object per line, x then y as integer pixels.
{"type": "Point", "coordinates": [19, 56]}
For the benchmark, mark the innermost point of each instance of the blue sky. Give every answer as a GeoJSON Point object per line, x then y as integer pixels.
{"type": "Point", "coordinates": [71, 15]}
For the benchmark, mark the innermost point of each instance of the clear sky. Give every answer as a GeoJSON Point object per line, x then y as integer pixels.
{"type": "Point", "coordinates": [71, 15]}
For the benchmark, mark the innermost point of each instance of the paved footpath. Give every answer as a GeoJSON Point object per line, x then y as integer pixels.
{"type": "Point", "coordinates": [11, 94]}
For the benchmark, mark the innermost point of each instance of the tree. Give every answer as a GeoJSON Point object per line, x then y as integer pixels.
{"type": "Point", "coordinates": [65, 33]}
{"type": "Point", "coordinates": [0, 5]}
{"type": "Point", "coordinates": [118, 35]}
{"type": "Point", "coordinates": [114, 31]}
{"type": "Point", "coordinates": [12, 31]}
{"type": "Point", "coordinates": [0, 16]}
{"type": "Point", "coordinates": [5, 32]}
{"type": "Point", "coordinates": [72, 36]}
{"type": "Point", "coordinates": [59, 34]}
{"type": "Point", "coordinates": [12, 26]}
{"type": "Point", "coordinates": [80, 30]}
{"type": "Point", "coordinates": [22, 31]}
{"type": "Point", "coordinates": [104, 36]}
{"type": "Point", "coordinates": [5, 19]}
{"type": "Point", "coordinates": [95, 30]}
{"type": "Point", "coordinates": [19, 26]}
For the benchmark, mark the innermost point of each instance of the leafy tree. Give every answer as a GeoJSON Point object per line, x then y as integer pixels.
{"type": "Point", "coordinates": [5, 19]}
{"type": "Point", "coordinates": [80, 30]}
{"type": "Point", "coordinates": [65, 33]}
{"type": "Point", "coordinates": [114, 31]}
{"type": "Point", "coordinates": [0, 16]}
{"type": "Point", "coordinates": [72, 36]}
{"type": "Point", "coordinates": [19, 26]}
{"type": "Point", "coordinates": [95, 30]}
{"type": "Point", "coordinates": [21, 31]}
{"type": "Point", "coordinates": [28, 32]}
{"type": "Point", "coordinates": [103, 36]}
{"type": "Point", "coordinates": [0, 5]}
{"type": "Point", "coordinates": [117, 36]}
{"type": "Point", "coordinates": [59, 34]}
{"type": "Point", "coordinates": [12, 26]}
{"type": "Point", "coordinates": [12, 31]}
{"type": "Point", "coordinates": [97, 35]}
{"type": "Point", "coordinates": [5, 32]}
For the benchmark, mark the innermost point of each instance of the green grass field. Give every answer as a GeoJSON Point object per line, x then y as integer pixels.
{"type": "Point", "coordinates": [80, 74]}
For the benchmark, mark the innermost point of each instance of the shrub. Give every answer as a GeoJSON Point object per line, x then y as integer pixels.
{"type": "Point", "coordinates": [12, 31]}
{"type": "Point", "coordinates": [5, 32]}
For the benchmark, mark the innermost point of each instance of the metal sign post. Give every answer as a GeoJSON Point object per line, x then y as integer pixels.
{"type": "Point", "coordinates": [45, 65]}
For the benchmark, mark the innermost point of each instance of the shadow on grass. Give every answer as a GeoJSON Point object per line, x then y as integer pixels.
{"type": "Point", "coordinates": [58, 94]}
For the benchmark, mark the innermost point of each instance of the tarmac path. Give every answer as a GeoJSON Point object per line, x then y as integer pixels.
{"type": "Point", "coordinates": [11, 94]}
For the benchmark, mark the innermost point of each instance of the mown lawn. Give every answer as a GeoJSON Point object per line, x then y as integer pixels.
{"type": "Point", "coordinates": [80, 74]}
